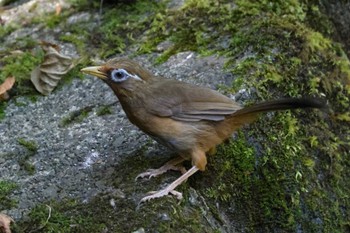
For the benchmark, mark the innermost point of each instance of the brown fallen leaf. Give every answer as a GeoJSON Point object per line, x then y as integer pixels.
{"type": "Point", "coordinates": [46, 76]}
{"type": "Point", "coordinates": [5, 86]}
{"type": "Point", "coordinates": [5, 222]}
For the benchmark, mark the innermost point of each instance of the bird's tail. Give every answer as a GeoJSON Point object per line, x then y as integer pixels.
{"type": "Point", "coordinates": [281, 104]}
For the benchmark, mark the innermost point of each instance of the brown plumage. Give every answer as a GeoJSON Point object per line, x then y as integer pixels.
{"type": "Point", "coordinates": [189, 119]}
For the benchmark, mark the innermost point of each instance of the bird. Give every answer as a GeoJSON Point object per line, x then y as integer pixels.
{"type": "Point", "coordinates": [189, 119]}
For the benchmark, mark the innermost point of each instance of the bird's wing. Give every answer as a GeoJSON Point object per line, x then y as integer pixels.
{"type": "Point", "coordinates": [189, 103]}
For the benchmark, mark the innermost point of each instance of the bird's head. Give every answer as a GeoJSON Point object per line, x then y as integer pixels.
{"type": "Point", "coordinates": [122, 75]}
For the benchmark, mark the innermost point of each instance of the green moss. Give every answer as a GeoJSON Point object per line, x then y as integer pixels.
{"type": "Point", "coordinates": [122, 23]}
{"type": "Point", "coordinates": [188, 28]}
{"type": "Point", "coordinates": [51, 217]}
{"type": "Point", "coordinates": [23, 162]}
{"type": "Point", "coordinates": [30, 145]}
{"type": "Point", "coordinates": [5, 31]}
{"type": "Point", "coordinates": [6, 188]}
{"type": "Point", "coordinates": [20, 65]}
{"type": "Point", "coordinates": [104, 110]}
{"type": "Point", "coordinates": [76, 116]}
{"type": "Point", "coordinates": [84, 5]}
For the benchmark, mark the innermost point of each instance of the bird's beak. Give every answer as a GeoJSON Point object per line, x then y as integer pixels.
{"type": "Point", "coordinates": [95, 71]}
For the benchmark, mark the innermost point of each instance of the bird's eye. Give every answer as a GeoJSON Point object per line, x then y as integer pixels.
{"type": "Point", "coordinates": [119, 75]}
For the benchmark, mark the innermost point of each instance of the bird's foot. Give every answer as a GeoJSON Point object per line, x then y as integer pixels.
{"type": "Point", "coordinates": [170, 189]}
{"type": "Point", "coordinates": [161, 193]}
{"type": "Point", "coordinates": [170, 165]}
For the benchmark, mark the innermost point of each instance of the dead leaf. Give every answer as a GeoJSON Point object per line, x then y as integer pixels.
{"type": "Point", "coordinates": [48, 44]}
{"type": "Point", "coordinates": [46, 76]}
{"type": "Point", "coordinates": [5, 86]}
{"type": "Point", "coordinates": [5, 222]}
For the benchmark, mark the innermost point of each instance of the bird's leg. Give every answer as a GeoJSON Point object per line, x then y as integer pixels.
{"type": "Point", "coordinates": [170, 165]}
{"type": "Point", "coordinates": [171, 188]}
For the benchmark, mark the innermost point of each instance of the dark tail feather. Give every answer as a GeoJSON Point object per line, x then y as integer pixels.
{"type": "Point", "coordinates": [282, 104]}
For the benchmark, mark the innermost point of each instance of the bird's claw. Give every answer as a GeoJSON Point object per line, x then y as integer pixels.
{"type": "Point", "coordinates": [149, 173]}
{"type": "Point", "coordinates": [161, 193]}
{"type": "Point", "coordinates": [156, 172]}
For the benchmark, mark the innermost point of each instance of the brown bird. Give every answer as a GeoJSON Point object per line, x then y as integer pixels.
{"type": "Point", "coordinates": [188, 119]}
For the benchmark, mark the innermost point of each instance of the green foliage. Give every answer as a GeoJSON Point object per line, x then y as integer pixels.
{"type": "Point", "coordinates": [6, 188]}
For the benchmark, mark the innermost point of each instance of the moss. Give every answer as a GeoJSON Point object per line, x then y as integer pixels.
{"type": "Point", "coordinates": [30, 145]}
{"type": "Point", "coordinates": [5, 31]}
{"type": "Point", "coordinates": [83, 5]}
{"type": "Point", "coordinates": [51, 217]}
{"type": "Point", "coordinates": [188, 28]}
{"type": "Point", "coordinates": [104, 110]}
{"type": "Point", "coordinates": [23, 162]}
{"type": "Point", "coordinates": [20, 65]}
{"type": "Point", "coordinates": [6, 188]}
{"type": "Point", "coordinates": [76, 116]}
{"type": "Point", "coordinates": [122, 23]}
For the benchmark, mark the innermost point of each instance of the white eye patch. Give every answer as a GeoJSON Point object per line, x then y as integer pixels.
{"type": "Point", "coordinates": [120, 75]}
